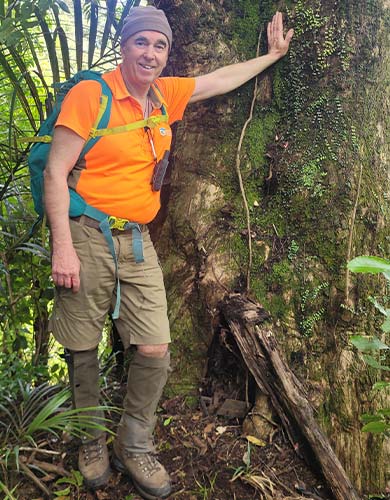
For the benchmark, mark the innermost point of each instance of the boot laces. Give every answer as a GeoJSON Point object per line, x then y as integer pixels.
{"type": "Point", "coordinates": [92, 452]}
{"type": "Point", "coordinates": [147, 462]}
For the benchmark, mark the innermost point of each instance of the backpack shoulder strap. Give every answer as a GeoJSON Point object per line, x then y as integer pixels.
{"type": "Point", "coordinates": [157, 91]}
{"type": "Point", "coordinates": [102, 118]}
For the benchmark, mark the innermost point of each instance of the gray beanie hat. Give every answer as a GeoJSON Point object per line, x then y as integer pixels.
{"type": "Point", "coordinates": [146, 19]}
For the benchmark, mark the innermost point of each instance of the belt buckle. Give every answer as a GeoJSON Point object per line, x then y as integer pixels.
{"type": "Point", "coordinates": [117, 223]}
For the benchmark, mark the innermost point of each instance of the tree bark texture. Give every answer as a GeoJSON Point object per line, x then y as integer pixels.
{"type": "Point", "coordinates": [314, 164]}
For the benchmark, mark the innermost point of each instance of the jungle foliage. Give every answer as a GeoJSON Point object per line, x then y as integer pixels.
{"type": "Point", "coordinates": [42, 43]}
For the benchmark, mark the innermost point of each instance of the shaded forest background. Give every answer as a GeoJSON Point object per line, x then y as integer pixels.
{"type": "Point", "coordinates": [315, 193]}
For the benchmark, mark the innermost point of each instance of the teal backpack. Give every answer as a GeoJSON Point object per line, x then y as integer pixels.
{"type": "Point", "coordinates": [39, 152]}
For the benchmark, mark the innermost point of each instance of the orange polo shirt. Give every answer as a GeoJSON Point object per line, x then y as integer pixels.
{"type": "Point", "coordinates": [115, 175]}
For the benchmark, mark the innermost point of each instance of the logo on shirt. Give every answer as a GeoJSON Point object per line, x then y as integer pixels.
{"type": "Point", "coordinates": [164, 131]}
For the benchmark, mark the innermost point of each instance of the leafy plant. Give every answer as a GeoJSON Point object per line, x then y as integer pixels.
{"type": "Point", "coordinates": [311, 315]}
{"type": "Point", "coordinates": [373, 349]}
{"type": "Point", "coordinates": [206, 491]}
{"type": "Point", "coordinates": [75, 480]}
{"type": "Point", "coordinates": [244, 469]}
{"type": "Point", "coordinates": [258, 480]}
{"type": "Point", "coordinates": [41, 43]}
{"type": "Point", "coordinates": [32, 414]}
{"type": "Point", "coordinates": [9, 494]}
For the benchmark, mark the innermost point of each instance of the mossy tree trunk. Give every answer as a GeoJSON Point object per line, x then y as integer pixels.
{"type": "Point", "coordinates": [314, 163]}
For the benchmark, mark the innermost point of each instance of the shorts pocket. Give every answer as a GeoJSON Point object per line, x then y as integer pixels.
{"type": "Point", "coordinates": [80, 233]}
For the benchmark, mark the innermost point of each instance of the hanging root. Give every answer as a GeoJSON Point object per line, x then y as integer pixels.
{"type": "Point", "coordinates": [238, 168]}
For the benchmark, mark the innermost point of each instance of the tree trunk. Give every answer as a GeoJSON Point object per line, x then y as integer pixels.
{"type": "Point", "coordinates": [314, 164]}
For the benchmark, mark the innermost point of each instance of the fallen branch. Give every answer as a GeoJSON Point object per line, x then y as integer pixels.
{"type": "Point", "coordinates": [39, 450]}
{"type": "Point", "coordinates": [29, 473]}
{"type": "Point", "coordinates": [48, 467]}
{"type": "Point", "coordinates": [260, 352]}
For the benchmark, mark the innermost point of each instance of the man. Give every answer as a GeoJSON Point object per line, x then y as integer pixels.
{"type": "Point", "coordinates": [115, 177]}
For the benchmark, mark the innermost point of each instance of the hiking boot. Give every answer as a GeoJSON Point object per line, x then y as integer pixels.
{"type": "Point", "coordinates": [133, 446]}
{"type": "Point", "coordinates": [94, 463]}
{"type": "Point", "coordinates": [149, 476]}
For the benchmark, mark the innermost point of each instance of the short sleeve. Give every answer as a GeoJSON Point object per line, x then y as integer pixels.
{"type": "Point", "coordinates": [177, 92]}
{"type": "Point", "coordinates": [80, 108]}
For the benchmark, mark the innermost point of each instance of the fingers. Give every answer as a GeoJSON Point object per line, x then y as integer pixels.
{"type": "Point", "coordinates": [76, 284]}
{"type": "Point", "coordinates": [277, 42]}
{"type": "Point", "coordinates": [289, 35]}
{"type": "Point", "coordinates": [66, 268]}
{"type": "Point", "coordinates": [67, 281]}
{"type": "Point", "coordinates": [275, 28]}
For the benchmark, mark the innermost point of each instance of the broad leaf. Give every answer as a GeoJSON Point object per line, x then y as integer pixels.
{"type": "Point", "coordinates": [376, 427]}
{"type": "Point", "coordinates": [369, 264]}
{"type": "Point", "coordinates": [368, 343]}
{"type": "Point", "coordinates": [62, 5]}
{"type": "Point", "coordinates": [368, 417]}
{"type": "Point", "coordinates": [386, 325]}
{"type": "Point", "coordinates": [381, 385]}
{"type": "Point", "coordinates": [374, 363]}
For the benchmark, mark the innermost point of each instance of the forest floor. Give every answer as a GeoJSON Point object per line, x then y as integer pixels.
{"type": "Point", "coordinates": [207, 457]}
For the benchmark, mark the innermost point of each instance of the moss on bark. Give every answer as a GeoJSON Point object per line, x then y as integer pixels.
{"type": "Point", "coordinates": [315, 168]}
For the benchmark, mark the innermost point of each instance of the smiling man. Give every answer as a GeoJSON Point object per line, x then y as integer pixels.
{"type": "Point", "coordinates": [121, 176]}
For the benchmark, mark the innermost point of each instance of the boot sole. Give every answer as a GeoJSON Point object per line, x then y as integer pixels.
{"type": "Point", "coordinates": [95, 484]}
{"type": "Point", "coordinates": [117, 464]}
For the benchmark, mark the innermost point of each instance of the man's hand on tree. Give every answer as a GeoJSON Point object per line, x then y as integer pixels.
{"type": "Point", "coordinates": [278, 44]}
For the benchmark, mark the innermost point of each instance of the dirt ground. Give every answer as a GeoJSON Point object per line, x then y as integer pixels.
{"type": "Point", "coordinates": [207, 457]}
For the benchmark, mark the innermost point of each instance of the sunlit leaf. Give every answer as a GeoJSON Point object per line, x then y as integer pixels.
{"type": "Point", "coordinates": [374, 363]}
{"type": "Point", "coordinates": [381, 385]}
{"type": "Point", "coordinates": [62, 5]}
{"type": "Point", "coordinates": [386, 325]}
{"type": "Point", "coordinates": [368, 343]}
{"type": "Point", "coordinates": [369, 264]}
{"type": "Point", "coordinates": [376, 427]}
{"type": "Point", "coordinates": [167, 421]}
{"type": "Point", "coordinates": [378, 306]}
{"type": "Point", "coordinates": [62, 493]}
{"type": "Point", "coordinates": [256, 441]}
{"type": "Point", "coordinates": [368, 417]}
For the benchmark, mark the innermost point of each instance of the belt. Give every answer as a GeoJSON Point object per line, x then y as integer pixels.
{"type": "Point", "coordinates": [110, 226]}
{"type": "Point", "coordinates": [88, 221]}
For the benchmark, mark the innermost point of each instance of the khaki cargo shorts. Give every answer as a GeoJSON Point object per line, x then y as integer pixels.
{"type": "Point", "coordinates": [78, 318]}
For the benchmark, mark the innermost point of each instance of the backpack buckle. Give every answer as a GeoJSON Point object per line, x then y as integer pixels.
{"type": "Point", "coordinates": [117, 223]}
{"type": "Point", "coordinates": [152, 121]}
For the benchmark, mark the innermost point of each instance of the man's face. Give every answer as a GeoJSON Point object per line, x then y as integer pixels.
{"type": "Point", "coordinates": [145, 55]}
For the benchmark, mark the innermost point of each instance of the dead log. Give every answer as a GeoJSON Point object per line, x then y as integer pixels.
{"type": "Point", "coordinates": [260, 352]}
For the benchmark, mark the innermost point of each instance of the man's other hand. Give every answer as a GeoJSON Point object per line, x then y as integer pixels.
{"type": "Point", "coordinates": [66, 268]}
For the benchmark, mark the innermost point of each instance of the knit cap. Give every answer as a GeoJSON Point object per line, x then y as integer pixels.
{"type": "Point", "coordinates": [146, 19]}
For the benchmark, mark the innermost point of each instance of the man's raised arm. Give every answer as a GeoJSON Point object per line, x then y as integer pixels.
{"type": "Point", "coordinates": [230, 77]}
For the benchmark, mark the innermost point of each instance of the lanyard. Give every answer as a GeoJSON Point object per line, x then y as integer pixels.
{"type": "Point", "coordinates": [150, 137]}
